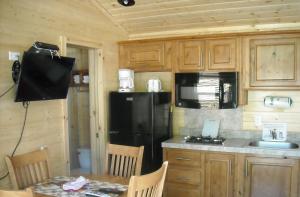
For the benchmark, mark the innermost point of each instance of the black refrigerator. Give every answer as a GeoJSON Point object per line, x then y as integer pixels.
{"type": "Point", "coordinates": [141, 118]}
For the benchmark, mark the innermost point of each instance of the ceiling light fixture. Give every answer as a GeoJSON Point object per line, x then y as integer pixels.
{"type": "Point", "coordinates": [126, 2]}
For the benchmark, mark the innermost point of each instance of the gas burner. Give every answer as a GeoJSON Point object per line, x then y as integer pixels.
{"type": "Point", "coordinates": [204, 140]}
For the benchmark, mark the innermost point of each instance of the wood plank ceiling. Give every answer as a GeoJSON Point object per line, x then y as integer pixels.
{"type": "Point", "coordinates": [154, 17]}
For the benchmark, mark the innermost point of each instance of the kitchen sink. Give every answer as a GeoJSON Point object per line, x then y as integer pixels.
{"type": "Point", "coordinates": [279, 145]}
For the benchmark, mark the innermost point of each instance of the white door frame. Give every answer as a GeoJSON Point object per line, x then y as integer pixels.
{"type": "Point", "coordinates": [96, 91]}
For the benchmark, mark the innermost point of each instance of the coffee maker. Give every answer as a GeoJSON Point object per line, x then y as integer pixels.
{"type": "Point", "coordinates": [126, 80]}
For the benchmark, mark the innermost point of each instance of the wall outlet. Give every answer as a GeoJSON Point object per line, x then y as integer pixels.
{"type": "Point", "coordinates": [13, 56]}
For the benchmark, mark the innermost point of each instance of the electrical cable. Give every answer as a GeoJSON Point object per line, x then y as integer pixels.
{"type": "Point", "coordinates": [25, 105]}
{"type": "Point", "coordinates": [4, 93]}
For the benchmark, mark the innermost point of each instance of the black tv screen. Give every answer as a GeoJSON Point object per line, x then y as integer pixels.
{"type": "Point", "coordinates": [43, 77]}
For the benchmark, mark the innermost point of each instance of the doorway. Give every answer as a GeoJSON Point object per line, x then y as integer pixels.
{"type": "Point", "coordinates": [83, 109]}
{"type": "Point", "coordinates": [78, 112]}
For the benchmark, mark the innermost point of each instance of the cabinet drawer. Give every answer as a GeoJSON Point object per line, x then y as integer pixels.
{"type": "Point", "coordinates": [183, 176]}
{"type": "Point", "coordinates": [184, 158]}
{"type": "Point", "coordinates": [174, 190]}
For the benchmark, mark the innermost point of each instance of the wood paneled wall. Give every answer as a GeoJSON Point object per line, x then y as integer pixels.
{"type": "Point", "coordinates": [21, 23]}
{"type": "Point", "coordinates": [256, 107]}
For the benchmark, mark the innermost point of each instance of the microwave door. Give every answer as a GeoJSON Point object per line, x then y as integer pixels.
{"type": "Point", "coordinates": [208, 92]}
{"type": "Point", "coordinates": [221, 95]}
{"type": "Point", "coordinates": [227, 96]}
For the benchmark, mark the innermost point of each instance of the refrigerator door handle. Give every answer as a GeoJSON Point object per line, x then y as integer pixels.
{"type": "Point", "coordinates": [152, 127]}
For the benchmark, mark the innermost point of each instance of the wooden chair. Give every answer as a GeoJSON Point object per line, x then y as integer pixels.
{"type": "Point", "coordinates": [124, 161]}
{"type": "Point", "coordinates": [27, 193]}
{"type": "Point", "coordinates": [149, 185]}
{"type": "Point", "coordinates": [28, 169]}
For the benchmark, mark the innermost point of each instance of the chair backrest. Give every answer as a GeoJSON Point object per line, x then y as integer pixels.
{"type": "Point", "coordinates": [124, 161]}
{"type": "Point", "coordinates": [27, 193]}
{"type": "Point", "coordinates": [149, 185]}
{"type": "Point", "coordinates": [28, 169]}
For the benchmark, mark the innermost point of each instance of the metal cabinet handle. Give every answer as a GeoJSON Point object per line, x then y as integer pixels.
{"type": "Point", "coordinates": [230, 168]}
{"type": "Point", "coordinates": [201, 58]}
{"type": "Point", "coordinates": [180, 178]}
{"type": "Point", "coordinates": [246, 168]}
{"type": "Point", "coordinates": [209, 59]}
{"type": "Point", "coordinates": [183, 159]}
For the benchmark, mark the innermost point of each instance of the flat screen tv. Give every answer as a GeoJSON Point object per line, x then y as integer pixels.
{"type": "Point", "coordinates": [43, 77]}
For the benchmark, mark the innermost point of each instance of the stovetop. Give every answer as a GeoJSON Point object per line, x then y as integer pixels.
{"type": "Point", "coordinates": [204, 140]}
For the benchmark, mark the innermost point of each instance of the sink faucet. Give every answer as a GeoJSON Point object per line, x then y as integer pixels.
{"type": "Point", "coordinates": [274, 134]}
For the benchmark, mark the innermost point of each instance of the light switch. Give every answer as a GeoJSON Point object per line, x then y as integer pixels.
{"type": "Point", "coordinates": [257, 120]}
{"type": "Point", "coordinates": [13, 56]}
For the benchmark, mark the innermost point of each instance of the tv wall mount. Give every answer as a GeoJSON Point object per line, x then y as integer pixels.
{"type": "Point", "coordinates": [44, 48]}
{"type": "Point", "coordinates": [37, 47]}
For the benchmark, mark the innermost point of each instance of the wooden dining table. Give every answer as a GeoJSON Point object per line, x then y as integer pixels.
{"type": "Point", "coordinates": [103, 178]}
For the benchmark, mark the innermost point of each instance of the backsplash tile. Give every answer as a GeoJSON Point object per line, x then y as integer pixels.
{"type": "Point", "coordinates": [231, 119]}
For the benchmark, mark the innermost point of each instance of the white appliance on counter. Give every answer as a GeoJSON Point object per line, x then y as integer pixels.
{"type": "Point", "coordinates": [274, 132]}
{"type": "Point", "coordinates": [154, 85]}
{"type": "Point", "coordinates": [126, 80]}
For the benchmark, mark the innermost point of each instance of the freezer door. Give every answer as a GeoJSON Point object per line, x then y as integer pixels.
{"type": "Point", "coordinates": [130, 113]}
{"type": "Point", "coordinates": [120, 110]}
{"type": "Point", "coordinates": [161, 121]}
{"type": "Point", "coordinates": [142, 113]}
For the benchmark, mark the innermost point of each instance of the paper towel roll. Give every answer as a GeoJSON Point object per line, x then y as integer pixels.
{"type": "Point", "coordinates": [278, 102]}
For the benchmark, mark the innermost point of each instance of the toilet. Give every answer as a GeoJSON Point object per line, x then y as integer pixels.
{"type": "Point", "coordinates": [84, 158]}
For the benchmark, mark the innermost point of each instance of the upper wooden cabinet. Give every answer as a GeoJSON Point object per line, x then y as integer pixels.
{"type": "Point", "coordinates": [221, 54]}
{"type": "Point", "coordinates": [191, 55]}
{"type": "Point", "coordinates": [273, 62]}
{"type": "Point", "coordinates": [208, 55]}
{"type": "Point", "coordinates": [146, 56]}
{"type": "Point", "coordinates": [271, 177]}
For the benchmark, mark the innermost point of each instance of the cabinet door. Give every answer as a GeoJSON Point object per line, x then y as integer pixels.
{"type": "Point", "coordinates": [180, 190]}
{"type": "Point", "coordinates": [274, 62]}
{"type": "Point", "coordinates": [219, 175]}
{"type": "Point", "coordinates": [191, 54]}
{"type": "Point", "coordinates": [270, 177]}
{"type": "Point", "coordinates": [148, 56]}
{"type": "Point", "coordinates": [221, 54]}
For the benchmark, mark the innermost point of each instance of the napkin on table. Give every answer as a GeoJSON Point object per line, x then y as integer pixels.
{"type": "Point", "coordinates": [75, 185]}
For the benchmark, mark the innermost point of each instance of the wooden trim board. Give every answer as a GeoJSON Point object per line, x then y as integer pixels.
{"type": "Point", "coordinates": [96, 103]}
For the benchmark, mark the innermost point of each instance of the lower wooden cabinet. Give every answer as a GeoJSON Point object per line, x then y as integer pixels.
{"type": "Point", "coordinates": [218, 174]}
{"type": "Point", "coordinates": [180, 190]}
{"type": "Point", "coordinates": [184, 174]}
{"type": "Point", "coordinates": [271, 177]}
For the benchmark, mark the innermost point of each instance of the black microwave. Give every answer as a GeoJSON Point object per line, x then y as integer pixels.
{"type": "Point", "coordinates": [206, 90]}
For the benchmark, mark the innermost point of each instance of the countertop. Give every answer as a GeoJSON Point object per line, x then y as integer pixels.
{"type": "Point", "coordinates": [232, 145]}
